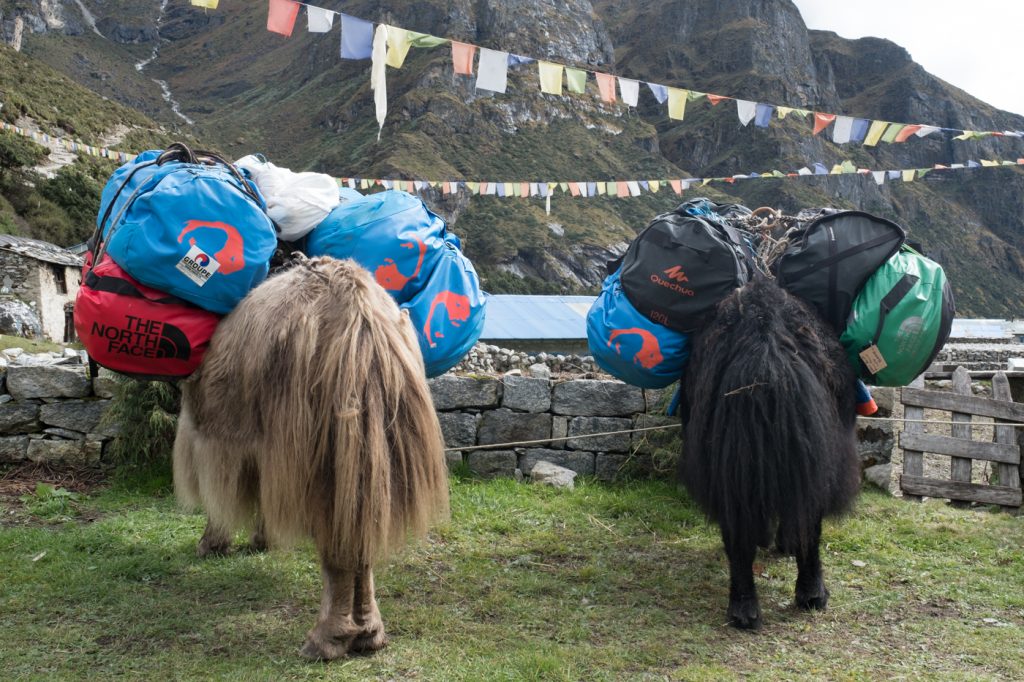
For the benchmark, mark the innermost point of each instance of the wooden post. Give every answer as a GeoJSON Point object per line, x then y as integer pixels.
{"type": "Point", "coordinates": [960, 467]}
{"type": "Point", "coordinates": [913, 460]}
{"type": "Point", "coordinates": [1009, 474]}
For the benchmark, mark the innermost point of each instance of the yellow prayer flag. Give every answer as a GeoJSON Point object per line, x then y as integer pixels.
{"type": "Point", "coordinates": [908, 175]}
{"type": "Point", "coordinates": [601, 189]}
{"type": "Point", "coordinates": [398, 46]}
{"type": "Point", "coordinates": [988, 164]}
{"type": "Point", "coordinates": [208, 4]}
{"type": "Point", "coordinates": [509, 189]}
{"type": "Point", "coordinates": [783, 112]}
{"type": "Point", "coordinates": [473, 187]}
{"type": "Point", "coordinates": [875, 133]}
{"type": "Point", "coordinates": [550, 77]}
{"type": "Point", "coordinates": [655, 185]}
{"type": "Point", "coordinates": [705, 181]}
{"type": "Point", "coordinates": [677, 103]}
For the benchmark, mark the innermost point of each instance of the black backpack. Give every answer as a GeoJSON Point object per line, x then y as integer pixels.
{"type": "Point", "coordinates": [683, 263]}
{"type": "Point", "coordinates": [827, 263]}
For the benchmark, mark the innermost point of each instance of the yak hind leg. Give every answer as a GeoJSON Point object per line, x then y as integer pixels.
{"type": "Point", "coordinates": [811, 592]}
{"type": "Point", "coordinates": [371, 635]}
{"type": "Point", "coordinates": [744, 610]}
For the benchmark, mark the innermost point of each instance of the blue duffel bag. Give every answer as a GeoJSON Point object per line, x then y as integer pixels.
{"type": "Point", "coordinates": [392, 234]}
{"type": "Point", "coordinates": [188, 224]}
{"type": "Point", "coordinates": [448, 311]}
{"type": "Point", "coordinates": [628, 345]}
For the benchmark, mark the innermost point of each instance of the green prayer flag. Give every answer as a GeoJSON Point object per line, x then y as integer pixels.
{"type": "Point", "coordinates": [577, 80]}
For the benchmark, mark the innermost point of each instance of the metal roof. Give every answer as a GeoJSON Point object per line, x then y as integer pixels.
{"type": "Point", "coordinates": [39, 250]}
{"type": "Point", "coordinates": [536, 317]}
{"type": "Point", "coordinates": [526, 318]}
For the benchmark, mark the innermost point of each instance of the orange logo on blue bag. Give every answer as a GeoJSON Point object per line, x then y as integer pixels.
{"type": "Point", "coordinates": [649, 356]}
{"type": "Point", "coordinates": [456, 305]}
{"type": "Point", "coordinates": [231, 256]}
{"type": "Point", "coordinates": [389, 276]}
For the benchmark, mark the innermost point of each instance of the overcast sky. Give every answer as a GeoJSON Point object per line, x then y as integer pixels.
{"type": "Point", "coordinates": [973, 44]}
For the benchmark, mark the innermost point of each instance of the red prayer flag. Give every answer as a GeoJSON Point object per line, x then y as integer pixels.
{"type": "Point", "coordinates": [821, 121]}
{"type": "Point", "coordinates": [715, 99]}
{"type": "Point", "coordinates": [574, 189]}
{"type": "Point", "coordinates": [462, 58]}
{"type": "Point", "coordinates": [902, 135]}
{"type": "Point", "coordinates": [622, 189]}
{"type": "Point", "coordinates": [524, 189]}
{"type": "Point", "coordinates": [677, 185]}
{"type": "Point", "coordinates": [606, 84]}
{"type": "Point", "coordinates": [281, 16]}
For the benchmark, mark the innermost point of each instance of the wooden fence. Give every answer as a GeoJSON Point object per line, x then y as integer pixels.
{"type": "Point", "coordinates": [1004, 450]}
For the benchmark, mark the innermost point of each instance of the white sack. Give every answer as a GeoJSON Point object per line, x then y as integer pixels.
{"type": "Point", "coordinates": [296, 202]}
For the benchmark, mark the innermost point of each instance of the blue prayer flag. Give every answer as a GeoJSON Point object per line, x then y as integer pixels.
{"type": "Point", "coordinates": [660, 92]}
{"type": "Point", "coordinates": [356, 38]}
{"type": "Point", "coordinates": [859, 130]}
{"type": "Point", "coordinates": [764, 115]}
{"type": "Point", "coordinates": [819, 169]}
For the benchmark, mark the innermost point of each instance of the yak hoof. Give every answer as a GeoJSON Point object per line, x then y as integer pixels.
{"type": "Point", "coordinates": [208, 547]}
{"type": "Point", "coordinates": [319, 648]}
{"type": "Point", "coordinates": [744, 614]}
{"type": "Point", "coordinates": [368, 642]}
{"type": "Point", "coordinates": [815, 599]}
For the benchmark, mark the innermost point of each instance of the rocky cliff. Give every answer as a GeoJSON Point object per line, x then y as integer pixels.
{"type": "Point", "coordinates": [248, 90]}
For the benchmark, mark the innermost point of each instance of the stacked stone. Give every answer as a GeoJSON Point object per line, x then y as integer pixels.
{"type": "Point", "coordinates": [488, 359]}
{"type": "Point", "coordinates": [528, 412]}
{"type": "Point", "coordinates": [50, 410]}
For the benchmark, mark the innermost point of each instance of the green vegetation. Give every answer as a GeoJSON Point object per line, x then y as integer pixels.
{"type": "Point", "coordinates": [147, 414]}
{"type": "Point", "coordinates": [524, 583]}
{"type": "Point", "coordinates": [29, 345]}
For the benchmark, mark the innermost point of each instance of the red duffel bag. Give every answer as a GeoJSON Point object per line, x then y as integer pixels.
{"type": "Point", "coordinates": [136, 330]}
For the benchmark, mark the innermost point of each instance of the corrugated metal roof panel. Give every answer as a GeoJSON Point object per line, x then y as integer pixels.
{"type": "Point", "coordinates": [565, 317]}
{"type": "Point", "coordinates": [536, 317]}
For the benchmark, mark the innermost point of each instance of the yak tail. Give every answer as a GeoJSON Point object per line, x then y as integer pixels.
{"type": "Point", "coordinates": [314, 390]}
{"type": "Point", "coordinates": [769, 436]}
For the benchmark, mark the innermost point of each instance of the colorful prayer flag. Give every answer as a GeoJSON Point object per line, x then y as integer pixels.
{"type": "Point", "coordinates": [842, 129]}
{"type": "Point", "coordinates": [821, 121]}
{"type": "Point", "coordinates": [606, 86]}
{"type": "Point", "coordinates": [550, 77]}
{"type": "Point", "coordinates": [576, 80]}
{"type": "Point", "coordinates": [630, 91]}
{"type": "Point", "coordinates": [281, 16]}
{"type": "Point", "coordinates": [875, 133]}
{"type": "Point", "coordinates": [319, 20]}
{"type": "Point", "coordinates": [398, 46]}
{"type": "Point", "coordinates": [660, 92]}
{"type": "Point", "coordinates": [208, 4]}
{"type": "Point", "coordinates": [356, 38]}
{"type": "Point", "coordinates": [892, 131]}
{"type": "Point", "coordinates": [763, 115]}
{"type": "Point", "coordinates": [492, 71]}
{"type": "Point", "coordinates": [676, 104]}
{"type": "Point", "coordinates": [462, 58]}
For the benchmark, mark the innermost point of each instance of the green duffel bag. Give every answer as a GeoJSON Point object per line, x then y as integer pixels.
{"type": "Point", "coordinates": [900, 320]}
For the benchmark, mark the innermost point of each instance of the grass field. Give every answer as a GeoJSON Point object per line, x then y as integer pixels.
{"type": "Point", "coordinates": [605, 582]}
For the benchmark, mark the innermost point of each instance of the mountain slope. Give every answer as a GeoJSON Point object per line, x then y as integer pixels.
{"type": "Point", "coordinates": [295, 100]}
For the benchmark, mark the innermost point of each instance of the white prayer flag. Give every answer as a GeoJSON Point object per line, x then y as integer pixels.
{"type": "Point", "coordinates": [746, 110]}
{"type": "Point", "coordinates": [634, 188]}
{"type": "Point", "coordinates": [378, 82]}
{"type": "Point", "coordinates": [842, 129]}
{"type": "Point", "coordinates": [492, 71]}
{"type": "Point", "coordinates": [879, 177]}
{"type": "Point", "coordinates": [630, 91]}
{"type": "Point", "coordinates": [320, 19]}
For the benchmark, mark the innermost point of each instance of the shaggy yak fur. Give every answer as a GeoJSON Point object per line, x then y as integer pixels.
{"type": "Point", "coordinates": [769, 442]}
{"type": "Point", "coordinates": [311, 417]}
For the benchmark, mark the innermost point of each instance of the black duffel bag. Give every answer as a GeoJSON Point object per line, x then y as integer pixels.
{"type": "Point", "coordinates": [828, 262]}
{"type": "Point", "coordinates": [683, 263]}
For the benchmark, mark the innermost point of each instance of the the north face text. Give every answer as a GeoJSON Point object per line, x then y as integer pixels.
{"type": "Point", "coordinates": [142, 338]}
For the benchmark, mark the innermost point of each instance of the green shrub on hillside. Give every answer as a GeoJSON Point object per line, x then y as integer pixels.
{"type": "Point", "coordinates": [147, 412]}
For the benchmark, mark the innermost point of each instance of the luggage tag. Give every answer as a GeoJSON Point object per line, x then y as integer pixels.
{"type": "Point", "coordinates": [872, 359]}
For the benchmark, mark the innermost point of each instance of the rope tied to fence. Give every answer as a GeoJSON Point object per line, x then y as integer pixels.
{"type": "Point", "coordinates": [665, 427]}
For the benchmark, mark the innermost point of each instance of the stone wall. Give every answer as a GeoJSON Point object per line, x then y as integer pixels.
{"type": "Point", "coordinates": [52, 412]}
{"type": "Point", "coordinates": [486, 410]}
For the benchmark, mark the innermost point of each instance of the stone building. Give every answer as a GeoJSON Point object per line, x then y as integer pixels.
{"type": "Point", "coordinates": [37, 279]}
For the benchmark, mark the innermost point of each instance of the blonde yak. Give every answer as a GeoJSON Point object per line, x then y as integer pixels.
{"type": "Point", "coordinates": [311, 417]}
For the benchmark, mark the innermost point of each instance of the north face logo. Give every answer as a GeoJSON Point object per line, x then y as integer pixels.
{"type": "Point", "coordinates": [676, 273]}
{"type": "Point", "coordinates": [142, 338]}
